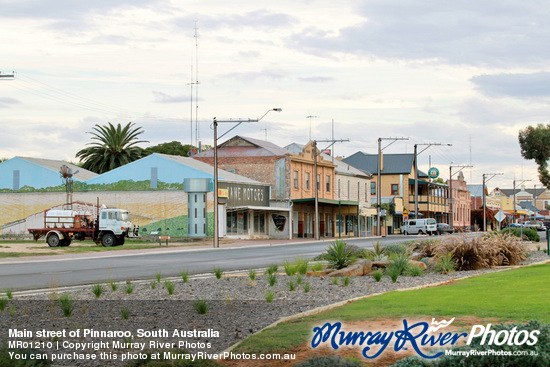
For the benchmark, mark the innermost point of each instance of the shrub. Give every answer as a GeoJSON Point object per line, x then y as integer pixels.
{"type": "Point", "coordinates": [414, 271]}
{"type": "Point", "coordinates": [291, 285]}
{"type": "Point", "coordinates": [158, 276]}
{"type": "Point", "coordinates": [129, 288]}
{"type": "Point", "coordinates": [307, 287]}
{"type": "Point", "coordinates": [252, 274]}
{"type": "Point", "coordinates": [445, 264]}
{"type": "Point", "coordinates": [328, 361]}
{"type": "Point", "coordinates": [378, 253]}
{"type": "Point", "coordinates": [339, 254]}
{"type": "Point", "coordinates": [529, 355]}
{"type": "Point", "coordinates": [272, 279]}
{"type": "Point", "coordinates": [3, 303]}
{"type": "Point", "coordinates": [393, 272]}
{"type": "Point", "coordinates": [290, 268]}
{"type": "Point", "coordinates": [317, 266]}
{"type": "Point", "coordinates": [201, 306]}
{"type": "Point", "coordinates": [528, 233]}
{"type": "Point", "coordinates": [299, 279]}
{"type": "Point", "coordinates": [218, 272]}
{"type": "Point", "coordinates": [153, 284]}
{"type": "Point", "coordinates": [271, 269]}
{"type": "Point", "coordinates": [67, 304]}
{"type": "Point", "coordinates": [377, 274]}
{"type": "Point", "coordinates": [335, 280]}
{"type": "Point", "coordinates": [269, 296]}
{"type": "Point", "coordinates": [169, 286]}
{"type": "Point", "coordinates": [301, 264]}
{"type": "Point", "coordinates": [9, 293]}
{"type": "Point", "coordinates": [97, 289]}
{"type": "Point", "coordinates": [396, 248]}
{"type": "Point", "coordinates": [125, 313]}
{"type": "Point", "coordinates": [347, 281]}
{"type": "Point", "coordinates": [400, 261]}
{"type": "Point", "coordinates": [113, 285]}
{"type": "Point", "coordinates": [184, 274]}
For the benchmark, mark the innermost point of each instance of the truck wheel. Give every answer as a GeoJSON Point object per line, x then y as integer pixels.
{"type": "Point", "coordinates": [108, 240]}
{"type": "Point", "coordinates": [53, 240]}
{"type": "Point", "coordinates": [120, 241]}
{"type": "Point", "coordinates": [65, 242]}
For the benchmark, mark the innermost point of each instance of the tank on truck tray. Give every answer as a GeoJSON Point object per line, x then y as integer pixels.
{"type": "Point", "coordinates": [110, 228]}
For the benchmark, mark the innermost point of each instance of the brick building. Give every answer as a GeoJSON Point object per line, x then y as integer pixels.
{"type": "Point", "coordinates": [291, 177]}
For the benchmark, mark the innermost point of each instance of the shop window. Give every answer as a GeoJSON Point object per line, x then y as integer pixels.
{"type": "Point", "coordinates": [259, 223]}
{"type": "Point", "coordinates": [237, 222]}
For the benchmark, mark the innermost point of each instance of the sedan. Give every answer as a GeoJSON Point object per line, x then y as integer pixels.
{"type": "Point", "coordinates": [444, 228]}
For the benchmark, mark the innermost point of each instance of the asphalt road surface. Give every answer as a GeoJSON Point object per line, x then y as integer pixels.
{"type": "Point", "coordinates": [53, 273]}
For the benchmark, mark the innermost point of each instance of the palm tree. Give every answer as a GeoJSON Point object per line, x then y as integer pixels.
{"type": "Point", "coordinates": [114, 147]}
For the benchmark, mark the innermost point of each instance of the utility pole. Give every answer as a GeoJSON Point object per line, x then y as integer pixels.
{"type": "Point", "coordinates": [416, 153]}
{"type": "Point", "coordinates": [379, 180]}
{"type": "Point", "coordinates": [318, 181]}
{"type": "Point", "coordinates": [484, 197]}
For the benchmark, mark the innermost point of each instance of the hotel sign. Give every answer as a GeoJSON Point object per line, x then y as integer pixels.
{"type": "Point", "coordinates": [239, 194]}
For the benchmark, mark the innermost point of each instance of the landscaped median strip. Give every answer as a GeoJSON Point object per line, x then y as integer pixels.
{"type": "Point", "coordinates": [380, 312]}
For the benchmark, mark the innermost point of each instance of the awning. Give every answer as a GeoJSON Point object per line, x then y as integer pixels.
{"type": "Point", "coordinates": [326, 201]}
{"type": "Point", "coordinates": [258, 208]}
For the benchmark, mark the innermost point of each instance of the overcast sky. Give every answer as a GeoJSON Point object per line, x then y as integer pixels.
{"type": "Point", "coordinates": [466, 73]}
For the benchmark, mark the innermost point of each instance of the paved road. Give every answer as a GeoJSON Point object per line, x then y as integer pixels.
{"type": "Point", "coordinates": [55, 272]}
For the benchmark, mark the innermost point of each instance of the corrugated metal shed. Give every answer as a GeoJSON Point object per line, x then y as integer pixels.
{"type": "Point", "coordinates": [38, 173]}
{"type": "Point", "coordinates": [165, 168]}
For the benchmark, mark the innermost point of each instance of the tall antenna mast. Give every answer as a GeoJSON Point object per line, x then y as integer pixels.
{"type": "Point", "coordinates": [197, 83]}
{"type": "Point", "coordinates": [191, 95]}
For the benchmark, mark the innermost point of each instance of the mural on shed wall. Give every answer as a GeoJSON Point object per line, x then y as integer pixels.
{"type": "Point", "coordinates": [162, 210]}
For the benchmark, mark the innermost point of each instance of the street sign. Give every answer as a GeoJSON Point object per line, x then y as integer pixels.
{"type": "Point", "coordinates": [433, 173]}
{"type": "Point", "coordinates": [500, 216]}
{"type": "Point", "coordinates": [405, 215]}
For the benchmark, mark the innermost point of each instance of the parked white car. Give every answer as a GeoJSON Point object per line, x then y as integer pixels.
{"type": "Point", "coordinates": [419, 226]}
{"type": "Point", "coordinates": [534, 224]}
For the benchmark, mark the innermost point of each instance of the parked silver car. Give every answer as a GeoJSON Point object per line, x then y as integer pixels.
{"type": "Point", "coordinates": [443, 228]}
{"type": "Point", "coordinates": [534, 224]}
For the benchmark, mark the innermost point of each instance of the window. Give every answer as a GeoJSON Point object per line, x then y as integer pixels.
{"type": "Point", "coordinates": [307, 180]}
{"type": "Point", "coordinates": [237, 222]}
{"type": "Point", "coordinates": [349, 190]}
{"type": "Point", "coordinates": [373, 188]}
{"type": "Point", "coordinates": [395, 189]}
{"type": "Point", "coordinates": [366, 192]}
{"type": "Point", "coordinates": [318, 182]}
{"type": "Point", "coordinates": [295, 179]}
{"type": "Point", "coordinates": [259, 223]}
{"type": "Point", "coordinates": [328, 183]}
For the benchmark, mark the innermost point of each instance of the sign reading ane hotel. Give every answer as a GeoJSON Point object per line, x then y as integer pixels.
{"type": "Point", "coordinates": [245, 194]}
{"type": "Point", "coordinates": [433, 173]}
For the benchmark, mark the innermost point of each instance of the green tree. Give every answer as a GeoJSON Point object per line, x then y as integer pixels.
{"type": "Point", "coordinates": [113, 147]}
{"type": "Point", "coordinates": [172, 148]}
{"type": "Point", "coordinates": [535, 144]}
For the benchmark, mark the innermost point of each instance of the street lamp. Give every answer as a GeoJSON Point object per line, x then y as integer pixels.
{"type": "Point", "coordinates": [416, 172]}
{"type": "Point", "coordinates": [216, 122]}
{"type": "Point", "coordinates": [379, 181]}
{"type": "Point", "coordinates": [484, 199]}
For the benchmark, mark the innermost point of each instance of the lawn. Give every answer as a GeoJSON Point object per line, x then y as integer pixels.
{"type": "Point", "coordinates": [514, 295]}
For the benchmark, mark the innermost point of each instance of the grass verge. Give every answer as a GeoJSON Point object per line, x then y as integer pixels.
{"type": "Point", "coordinates": [492, 295]}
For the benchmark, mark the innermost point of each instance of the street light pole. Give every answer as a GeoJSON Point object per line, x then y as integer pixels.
{"type": "Point", "coordinates": [315, 155]}
{"type": "Point", "coordinates": [416, 173]}
{"type": "Point", "coordinates": [216, 193]}
{"type": "Point", "coordinates": [484, 199]}
{"type": "Point", "coordinates": [379, 181]}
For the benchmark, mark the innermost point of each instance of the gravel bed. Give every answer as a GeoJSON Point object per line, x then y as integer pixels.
{"type": "Point", "coordinates": [237, 309]}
